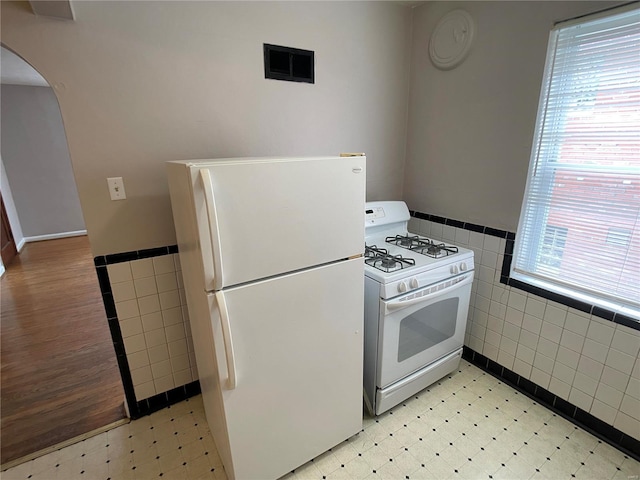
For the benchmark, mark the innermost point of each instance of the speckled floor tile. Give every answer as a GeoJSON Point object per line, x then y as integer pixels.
{"type": "Point", "coordinates": [467, 426]}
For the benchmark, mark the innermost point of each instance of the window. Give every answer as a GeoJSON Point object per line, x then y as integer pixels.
{"type": "Point", "coordinates": [619, 237]}
{"type": "Point", "coordinates": [553, 246]}
{"type": "Point", "coordinates": [579, 230]}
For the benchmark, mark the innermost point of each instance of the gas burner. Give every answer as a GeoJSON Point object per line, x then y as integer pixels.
{"type": "Point", "coordinates": [379, 258]}
{"type": "Point", "coordinates": [435, 250]}
{"type": "Point", "coordinates": [423, 246]}
{"type": "Point", "coordinates": [404, 241]}
{"type": "Point", "coordinates": [388, 262]}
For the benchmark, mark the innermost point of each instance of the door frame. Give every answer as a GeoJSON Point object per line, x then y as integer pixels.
{"type": "Point", "coordinates": [8, 244]}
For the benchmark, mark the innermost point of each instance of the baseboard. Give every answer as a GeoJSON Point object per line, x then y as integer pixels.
{"type": "Point", "coordinates": [53, 236]}
{"type": "Point", "coordinates": [20, 244]}
{"type": "Point", "coordinates": [165, 399]}
{"type": "Point", "coordinates": [1, 270]}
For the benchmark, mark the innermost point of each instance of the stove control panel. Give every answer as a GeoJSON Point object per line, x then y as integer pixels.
{"type": "Point", "coordinates": [413, 284]}
{"type": "Point", "coordinates": [455, 269]}
{"type": "Point", "coordinates": [406, 283]}
{"type": "Point", "coordinates": [377, 212]}
{"type": "Point", "coordinates": [385, 213]}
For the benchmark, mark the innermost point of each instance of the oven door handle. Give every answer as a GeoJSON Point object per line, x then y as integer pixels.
{"type": "Point", "coordinates": [426, 297]}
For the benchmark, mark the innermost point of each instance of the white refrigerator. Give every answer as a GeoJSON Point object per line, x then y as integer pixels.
{"type": "Point", "coordinates": [271, 254]}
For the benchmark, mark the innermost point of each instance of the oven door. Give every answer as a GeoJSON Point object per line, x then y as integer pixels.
{"type": "Point", "coordinates": [421, 327]}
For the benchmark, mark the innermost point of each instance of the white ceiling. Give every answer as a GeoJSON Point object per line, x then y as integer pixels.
{"type": "Point", "coordinates": [15, 71]}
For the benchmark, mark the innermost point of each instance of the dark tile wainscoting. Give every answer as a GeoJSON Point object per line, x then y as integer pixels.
{"type": "Point", "coordinates": [510, 238]}
{"type": "Point", "coordinates": [560, 351]}
{"type": "Point", "coordinates": [154, 267]}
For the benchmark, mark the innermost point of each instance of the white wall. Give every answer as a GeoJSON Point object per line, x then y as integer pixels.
{"type": "Point", "coordinates": [470, 134]}
{"type": "Point", "coordinates": [471, 128]}
{"type": "Point", "coordinates": [36, 158]}
{"type": "Point", "coordinates": [140, 83]}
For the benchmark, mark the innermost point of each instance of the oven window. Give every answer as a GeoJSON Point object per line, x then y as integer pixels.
{"type": "Point", "coordinates": [427, 327]}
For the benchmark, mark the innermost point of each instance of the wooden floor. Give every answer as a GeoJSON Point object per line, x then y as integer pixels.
{"type": "Point", "coordinates": [59, 377]}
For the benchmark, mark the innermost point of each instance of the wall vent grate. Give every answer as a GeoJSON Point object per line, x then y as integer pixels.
{"type": "Point", "coordinates": [290, 64]}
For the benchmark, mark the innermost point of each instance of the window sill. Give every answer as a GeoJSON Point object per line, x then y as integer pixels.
{"type": "Point", "coordinates": [620, 314]}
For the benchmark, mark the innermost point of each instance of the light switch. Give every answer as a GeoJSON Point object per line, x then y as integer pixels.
{"type": "Point", "coordinates": [116, 188]}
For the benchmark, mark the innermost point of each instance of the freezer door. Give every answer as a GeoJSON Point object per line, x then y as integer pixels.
{"type": "Point", "coordinates": [263, 217]}
{"type": "Point", "coordinates": [292, 385]}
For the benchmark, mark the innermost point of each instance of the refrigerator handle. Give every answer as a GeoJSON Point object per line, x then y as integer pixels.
{"type": "Point", "coordinates": [207, 183]}
{"type": "Point", "coordinates": [226, 338]}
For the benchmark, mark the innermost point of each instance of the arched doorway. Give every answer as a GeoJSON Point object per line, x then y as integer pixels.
{"type": "Point", "coordinates": [60, 377]}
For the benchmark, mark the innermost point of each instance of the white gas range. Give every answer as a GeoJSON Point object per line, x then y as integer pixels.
{"type": "Point", "coordinates": [417, 293]}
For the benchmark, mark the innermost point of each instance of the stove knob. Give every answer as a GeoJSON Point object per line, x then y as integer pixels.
{"type": "Point", "coordinates": [413, 283]}
{"type": "Point", "coordinates": [402, 287]}
{"type": "Point", "coordinates": [454, 270]}
{"type": "Point", "coordinates": [463, 267]}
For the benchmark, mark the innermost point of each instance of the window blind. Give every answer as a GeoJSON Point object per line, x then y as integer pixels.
{"type": "Point", "coordinates": [579, 229]}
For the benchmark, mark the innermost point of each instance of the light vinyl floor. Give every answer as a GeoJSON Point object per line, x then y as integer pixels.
{"type": "Point", "coordinates": [469, 425]}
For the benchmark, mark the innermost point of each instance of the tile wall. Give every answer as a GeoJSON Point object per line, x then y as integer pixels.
{"type": "Point", "coordinates": [588, 361]}
{"type": "Point", "coordinates": [153, 319]}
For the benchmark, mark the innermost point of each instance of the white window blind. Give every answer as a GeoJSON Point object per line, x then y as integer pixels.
{"type": "Point", "coordinates": [579, 230]}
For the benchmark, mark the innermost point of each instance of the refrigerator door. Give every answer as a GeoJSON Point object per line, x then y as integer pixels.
{"type": "Point", "coordinates": [259, 218]}
{"type": "Point", "coordinates": [292, 386]}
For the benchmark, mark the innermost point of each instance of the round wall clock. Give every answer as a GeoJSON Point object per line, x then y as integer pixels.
{"type": "Point", "coordinates": [451, 40]}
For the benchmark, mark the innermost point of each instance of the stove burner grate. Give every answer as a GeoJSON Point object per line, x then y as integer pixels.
{"type": "Point", "coordinates": [404, 241]}
{"type": "Point", "coordinates": [423, 246]}
{"type": "Point", "coordinates": [436, 250]}
{"type": "Point", "coordinates": [379, 258]}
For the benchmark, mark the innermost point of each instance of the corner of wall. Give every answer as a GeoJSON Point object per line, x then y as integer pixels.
{"type": "Point", "coordinates": [12, 214]}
